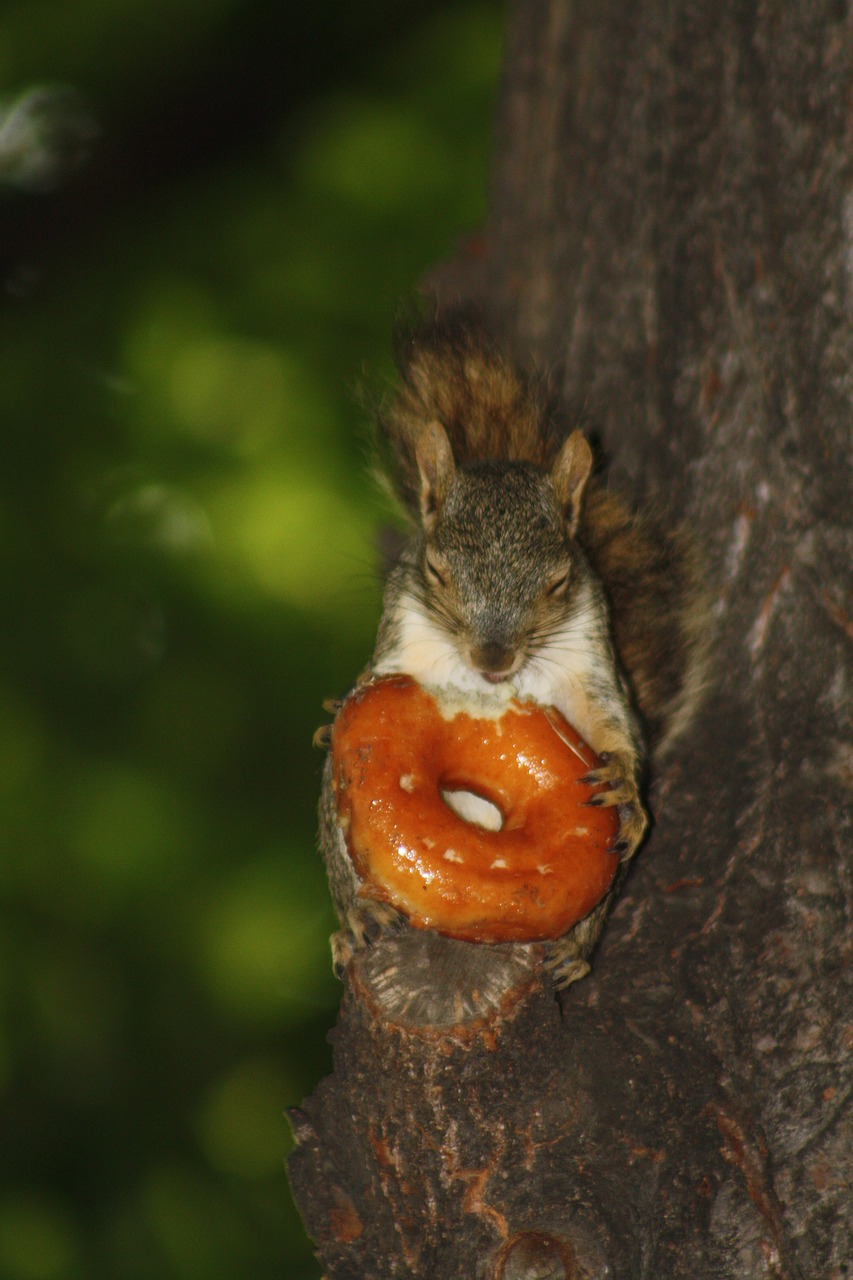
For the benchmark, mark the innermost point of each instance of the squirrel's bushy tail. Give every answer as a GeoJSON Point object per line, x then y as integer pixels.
{"type": "Point", "coordinates": [453, 373]}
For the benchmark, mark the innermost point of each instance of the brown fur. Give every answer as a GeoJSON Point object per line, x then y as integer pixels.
{"type": "Point", "coordinates": [651, 580]}
{"type": "Point", "coordinates": [493, 411]}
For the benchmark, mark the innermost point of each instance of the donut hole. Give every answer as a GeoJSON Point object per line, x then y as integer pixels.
{"type": "Point", "coordinates": [473, 808]}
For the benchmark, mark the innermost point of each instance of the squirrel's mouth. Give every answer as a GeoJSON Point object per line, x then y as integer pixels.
{"type": "Point", "coordinates": [495, 677]}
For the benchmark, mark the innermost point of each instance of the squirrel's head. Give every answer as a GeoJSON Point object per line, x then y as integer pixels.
{"type": "Point", "coordinates": [498, 561]}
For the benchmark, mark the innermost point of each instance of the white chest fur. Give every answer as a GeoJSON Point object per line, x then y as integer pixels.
{"type": "Point", "coordinates": [575, 659]}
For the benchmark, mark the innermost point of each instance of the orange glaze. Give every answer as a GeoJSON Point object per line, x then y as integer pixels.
{"type": "Point", "coordinates": [393, 751]}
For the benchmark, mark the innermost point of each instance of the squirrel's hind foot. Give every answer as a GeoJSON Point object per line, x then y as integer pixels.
{"type": "Point", "coordinates": [567, 958]}
{"type": "Point", "coordinates": [565, 969]}
{"type": "Point", "coordinates": [366, 924]}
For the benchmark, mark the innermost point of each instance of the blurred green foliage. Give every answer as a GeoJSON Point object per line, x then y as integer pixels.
{"type": "Point", "coordinates": [187, 569]}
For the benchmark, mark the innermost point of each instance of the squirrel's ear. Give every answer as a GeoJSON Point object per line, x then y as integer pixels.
{"type": "Point", "coordinates": [434, 457]}
{"type": "Point", "coordinates": [570, 474]}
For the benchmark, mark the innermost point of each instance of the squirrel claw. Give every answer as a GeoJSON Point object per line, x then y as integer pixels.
{"type": "Point", "coordinates": [323, 736]}
{"type": "Point", "coordinates": [614, 773]}
{"type": "Point", "coordinates": [375, 920]}
{"type": "Point", "coordinates": [606, 799]}
{"type": "Point", "coordinates": [371, 930]}
{"type": "Point", "coordinates": [343, 950]}
{"type": "Point", "coordinates": [600, 777]}
{"type": "Point", "coordinates": [565, 967]}
{"type": "Point", "coordinates": [632, 827]}
{"type": "Point", "coordinates": [367, 924]}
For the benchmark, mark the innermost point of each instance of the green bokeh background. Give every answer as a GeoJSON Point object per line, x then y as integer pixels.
{"type": "Point", "coordinates": [186, 565]}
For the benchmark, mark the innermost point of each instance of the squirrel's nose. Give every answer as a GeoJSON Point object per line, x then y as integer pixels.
{"type": "Point", "coordinates": [493, 661]}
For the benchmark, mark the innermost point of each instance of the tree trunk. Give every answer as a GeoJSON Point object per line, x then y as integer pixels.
{"type": "Point", "coordinates": [672, 229]}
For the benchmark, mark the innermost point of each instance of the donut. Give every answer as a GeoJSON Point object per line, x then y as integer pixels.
{"type": "Point", "coordinates": [404, 767]}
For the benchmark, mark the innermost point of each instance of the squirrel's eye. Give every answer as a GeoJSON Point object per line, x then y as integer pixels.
{"type": "Point", "coordinates": [434, 573]}
{"type": "Point", "coordinates": [558, 583]}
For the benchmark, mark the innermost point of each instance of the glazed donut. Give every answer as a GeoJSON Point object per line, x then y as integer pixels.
{"type": "Point", "coordinates": [399, 760]}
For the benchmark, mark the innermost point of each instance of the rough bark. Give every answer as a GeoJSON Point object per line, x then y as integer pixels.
{"type": "Point", "coordinates": [671, 229]}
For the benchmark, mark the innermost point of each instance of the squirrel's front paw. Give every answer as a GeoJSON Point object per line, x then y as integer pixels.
{"type": "Point", "coordinates": [366, 924]}
{"type": "Point", "coordinates": [617, 775]}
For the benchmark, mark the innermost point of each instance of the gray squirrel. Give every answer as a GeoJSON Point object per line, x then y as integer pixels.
{"type": "Point", "coordinates": [522, 572]}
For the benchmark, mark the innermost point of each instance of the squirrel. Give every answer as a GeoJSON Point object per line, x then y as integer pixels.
{"type": "Point", "coordinates": [521, 568]}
